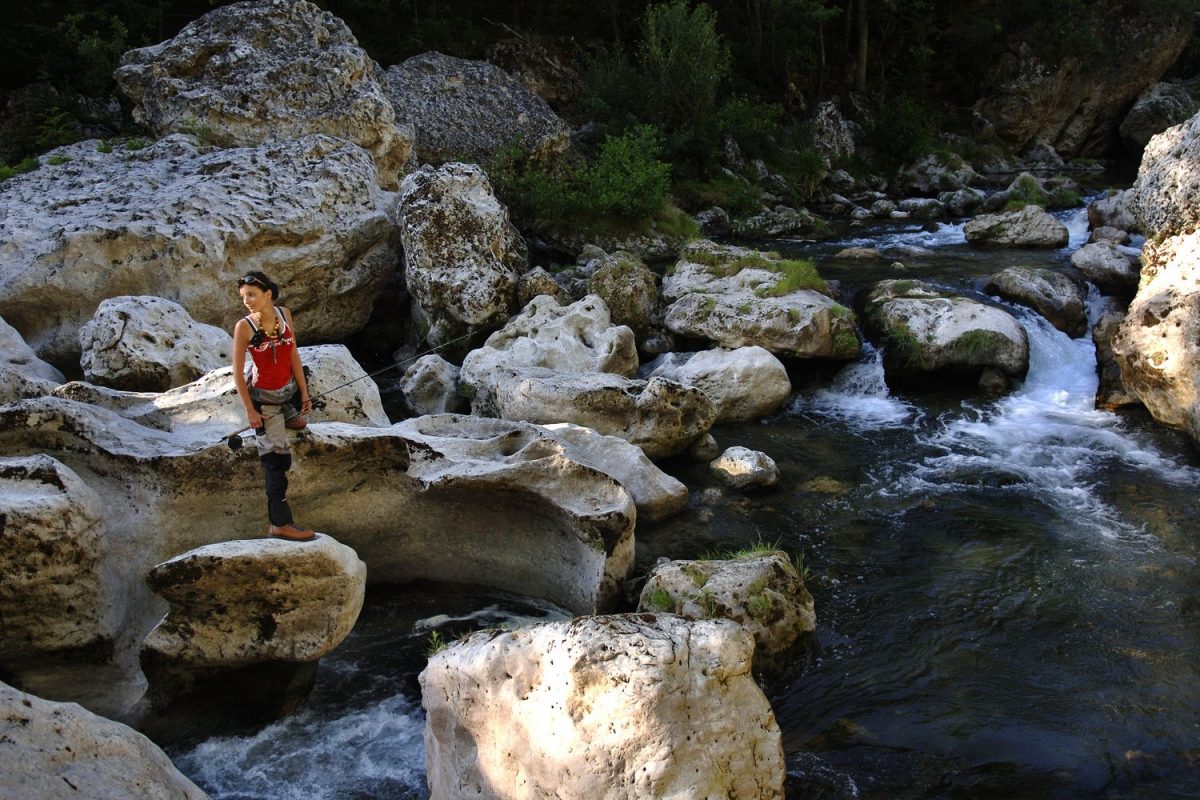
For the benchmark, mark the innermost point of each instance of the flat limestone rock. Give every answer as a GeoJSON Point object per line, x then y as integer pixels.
{"type": "Point", "coordinates": [462, 504]}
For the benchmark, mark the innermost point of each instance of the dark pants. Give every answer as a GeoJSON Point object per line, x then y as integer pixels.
{"type": "Point", "coordinates": [275, 466]}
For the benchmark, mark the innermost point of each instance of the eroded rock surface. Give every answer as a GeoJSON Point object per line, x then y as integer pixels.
{"type": "Point", "coordinates": [463, 257]}
{"type": "Point", "coordinates": [734, 298]}
{"type": "Point", "coordinates": [57, 600]}
{"type": "Point", "coordinates": [184, 222]}
{"type": "Point", "coordinates": [250, 601]}
{"type": "Point", "coordinates": [59, 750]}
{"type": "Point", "coordinates": [601, 708]}
{"type": "Point", "coordinates": [267, 70]}
{"type": "Point", "coordinates": [148, 344]}
{"type": "Point", "coordinates": [927, 330]}
{"type": "Point", "coordinates": [762, 592]}
{"type": "Point", "coordinates": [472, 110]}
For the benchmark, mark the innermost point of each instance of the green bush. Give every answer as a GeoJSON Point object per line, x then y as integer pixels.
{"type": "Point", "coordinates": [626, 181]}
{"type": "Point", "coordinates": [902, 130]}
{"type": "Point", "coordinates": [25, 165]}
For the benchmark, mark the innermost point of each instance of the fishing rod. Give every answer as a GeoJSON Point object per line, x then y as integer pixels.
{"type": "Point", "coordinates": [234, 440]}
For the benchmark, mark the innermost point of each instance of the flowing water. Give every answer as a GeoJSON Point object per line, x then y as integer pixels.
{"type": "Point", "coordinates": [1007, 590]}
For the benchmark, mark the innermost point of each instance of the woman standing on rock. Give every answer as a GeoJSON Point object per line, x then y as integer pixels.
{"type": "Point", "coordinates": [277, 395]}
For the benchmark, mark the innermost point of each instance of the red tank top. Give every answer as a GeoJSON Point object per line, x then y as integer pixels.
{"type": "Point", "coordinates": [273, 358]}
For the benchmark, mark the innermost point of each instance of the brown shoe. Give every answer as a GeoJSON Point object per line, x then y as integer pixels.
{"type": "Point", "coordinates": [291, 533]}
{"type": "Point", "coordinates": [296, 423]}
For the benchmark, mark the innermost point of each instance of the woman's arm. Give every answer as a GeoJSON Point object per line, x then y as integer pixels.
{"type": "Point", "coordinates": [241, 340]}
{"type": "Point", "coordinates": [297, 367]}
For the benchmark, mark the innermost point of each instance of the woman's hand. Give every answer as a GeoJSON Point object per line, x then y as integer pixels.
{"type": "Point", "coordinates": [305, 404]}
{"type": "Point", "coordinates": [254, 418]}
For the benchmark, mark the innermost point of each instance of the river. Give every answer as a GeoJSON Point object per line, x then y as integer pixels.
{"type": "Point", "coordinates": [1007, 593]}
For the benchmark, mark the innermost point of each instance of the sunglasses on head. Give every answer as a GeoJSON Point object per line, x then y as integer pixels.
{"type": "Point", "coordinates": [250, 280]}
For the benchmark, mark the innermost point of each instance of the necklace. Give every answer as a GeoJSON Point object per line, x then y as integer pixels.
{"type": "Point", "coordinates": [274, 331]}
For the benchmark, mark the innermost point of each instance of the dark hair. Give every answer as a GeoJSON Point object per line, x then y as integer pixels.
{"type": "Point", "coordinates": [260, 280]}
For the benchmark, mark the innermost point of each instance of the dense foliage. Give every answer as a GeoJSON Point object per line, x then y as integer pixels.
{"type": "Point", "coordinates": [696, 72]}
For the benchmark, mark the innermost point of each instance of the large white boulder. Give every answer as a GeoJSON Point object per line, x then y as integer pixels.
{"type": "Point", "coordinates": [267, 70]}
{"type": "Point", "coordinates": [463, 256]}
{"type": "Point", "coordinates": [60, 750]}
{"type": "Point", "coordinates": [746, 383]}
{"type": "Point", "coordinates": [580, 337]}
{"type": "Point", "coordinates": [601, 708]}
{"type": "Point", "coordinates": [148, 344]}
{"type": "Point", "coordinates": [184, 222]}
{"type": "Point", "coordinates": [472, 110]}
{"type": "Point", "coordinates": [926, 330]}
{"type": "Point", "coordinates": [250, 601]}
{"type": "Point", "coordinates": [738, 298]}
{"type": "Point", "coordinates": [761, 591]}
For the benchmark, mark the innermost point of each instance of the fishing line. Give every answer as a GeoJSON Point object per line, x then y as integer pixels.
{"type": "Point", "coordinates": [234, 440]}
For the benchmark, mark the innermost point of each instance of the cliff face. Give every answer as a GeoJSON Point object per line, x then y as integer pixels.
{"type": "Point", "coordinates": [1077, 105]}
{"type": "Point", "coordinates": [1158, 344]}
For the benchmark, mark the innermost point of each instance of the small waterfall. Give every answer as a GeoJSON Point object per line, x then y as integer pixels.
{"type": "Point", "coordinates": [373, 749]}
{"type": "Point", "coordinates": [941, 234]}
{"type": "Point", "coordinates": [1076, 220]}
{"type": "Point", "coordinates": [1046, 438]}
{"type": "Point", "coordinates": [858, 396]}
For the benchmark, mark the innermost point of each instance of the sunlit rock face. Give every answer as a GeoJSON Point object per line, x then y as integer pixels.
{"type": "Point", "coordinates": [182, 221]}
{"type": "Point", "coordinates": [1158, 344]}
{"type": "Point", "coordinates": [736, 297]}
{"type": "Point", "coordinates": [601, 708]}
{"type": "Point", "coordinates": [254, 72]}
{"type": "Point", "coordinates": [58, 750]}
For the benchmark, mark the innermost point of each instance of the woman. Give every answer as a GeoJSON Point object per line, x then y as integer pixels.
{"type": "Point", "coordinates": [277, 395]}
